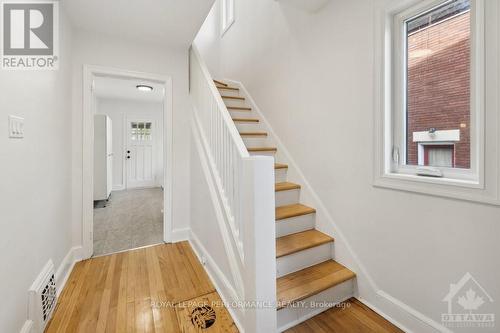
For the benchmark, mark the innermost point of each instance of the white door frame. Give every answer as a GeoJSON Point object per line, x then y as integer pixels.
{"type": "Point", "coordinates": [89, 72]}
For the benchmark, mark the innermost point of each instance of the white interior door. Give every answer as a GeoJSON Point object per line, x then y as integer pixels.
{"type": "Point", "coordinates": [140, 153]}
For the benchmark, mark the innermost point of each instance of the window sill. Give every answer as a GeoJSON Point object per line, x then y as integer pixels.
{"type": "Point", "coordinates": [466, 190]}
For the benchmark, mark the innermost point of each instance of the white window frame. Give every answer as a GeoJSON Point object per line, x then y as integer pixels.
{"type": "Point", "coordinates": [482, 181]}
{"type": "Point", "coordinates": [227, 15]}
{"type": "Point", "coordinates": [470, 177]}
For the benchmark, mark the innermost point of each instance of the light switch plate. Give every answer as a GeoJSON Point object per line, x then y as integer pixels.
{"type": "Point", "coordinates": [16, 127]}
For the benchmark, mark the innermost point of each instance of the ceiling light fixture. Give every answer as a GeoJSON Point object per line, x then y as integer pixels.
{"type": "Point", "coordinates": [143, 87]}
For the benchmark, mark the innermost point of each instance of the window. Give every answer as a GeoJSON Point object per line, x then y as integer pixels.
{"type": "Point", "coordinates": [227, 15]}
{"type": "Point", "coordinates": [439, 156]}
{"type": "Point", "coordinates": [432, 91]}
{"type": "Point", "coordinates": [140, 131]}
{"type": "Point", "coordinates": [435, 74]}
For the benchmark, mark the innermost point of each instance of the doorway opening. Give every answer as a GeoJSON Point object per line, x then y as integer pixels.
{"type": "Point", "coordinates": [127, 170]}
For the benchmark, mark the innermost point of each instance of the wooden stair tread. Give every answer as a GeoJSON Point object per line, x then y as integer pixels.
{"type": "Point", "coordinates": [252, 134]}
{"type": "Point", "coordinates": [256, 149]}
{"type": "Point", "coordinates": [300, 241]}
{"type": "Point", "coordinates": [234, 97]}
{"type": "Point", "coordinates": [229, 88]}
{"type": "Point", "coordinates": [220, 83]}
{"type": "Point", "coordinates": [246, 120]}
{"type": "Point", "coordinates": [286, 186]}
{"type": "Point", "coordinates": [239, 108]}
{"type": "Point", "coordinates": [284, 212]}
{"type": "Point", "coordinates": [310, 281]}
{"type": "Point", "coordinates": [280, 166]}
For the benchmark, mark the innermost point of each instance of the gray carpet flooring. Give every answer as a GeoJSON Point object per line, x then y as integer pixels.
{"type": "Point", "coordinates": [131, 219]}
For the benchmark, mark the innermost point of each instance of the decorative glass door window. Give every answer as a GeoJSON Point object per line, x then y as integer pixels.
{"type": "Point", "coordinates": [141, 131]}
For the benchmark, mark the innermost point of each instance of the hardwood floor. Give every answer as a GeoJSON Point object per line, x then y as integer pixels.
{"type": "Point", "coordinates": [354, 318]}
{"type": "Point", "coordinates": [162, 288]}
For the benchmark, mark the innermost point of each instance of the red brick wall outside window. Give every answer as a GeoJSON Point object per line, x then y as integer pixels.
{"type": "Point", "coordinates": [438, 81]}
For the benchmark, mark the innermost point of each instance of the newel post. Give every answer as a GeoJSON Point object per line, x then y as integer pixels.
{"type": "Point", "coordinates": [259, 244]}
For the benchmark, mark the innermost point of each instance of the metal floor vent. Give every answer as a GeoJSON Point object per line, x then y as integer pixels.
{"type": "Point", "coordinates": [43, 297]}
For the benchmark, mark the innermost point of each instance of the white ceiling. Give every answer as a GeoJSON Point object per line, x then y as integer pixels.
{"type": "Point", "coordinates": [117, 88]}
{"type": "Point", "coordinates": [165, 22]}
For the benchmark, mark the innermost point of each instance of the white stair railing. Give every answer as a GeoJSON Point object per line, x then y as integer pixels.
{"type": "Point", "coordinates": [225, 146]}
{"type": "Point", "coordinates": [245, 196]}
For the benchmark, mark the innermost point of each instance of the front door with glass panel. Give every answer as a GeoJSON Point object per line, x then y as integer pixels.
{"type": "Point", "coordinates": [140, 153]}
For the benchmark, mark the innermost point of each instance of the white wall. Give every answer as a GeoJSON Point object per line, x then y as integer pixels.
{"type": "Point", "coordinates": [119, 110]}
{"type": "Point", "coordinates": [35, 190]}
{"type": "Point", "coordinates": [208, 234]}
{"type": "Point", "coordinates": [101, 50]}
{"type": "Point", "coordinates": [312, 74]}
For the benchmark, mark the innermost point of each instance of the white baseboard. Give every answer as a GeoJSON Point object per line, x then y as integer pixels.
{"type": "Point", "coordinates": [66, 266]}
{"type": "Point", "coordinates": [180, 235]}
{"type": "Point", "coordinates": [403, 316]}
{"type": "Point", "coordinates": [219, 280]}
{"type": "Point", "coordinates": [27, 327]}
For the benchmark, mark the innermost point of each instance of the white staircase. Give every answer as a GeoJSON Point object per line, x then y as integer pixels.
{"type": "Point", "coordinates": [307, 276]}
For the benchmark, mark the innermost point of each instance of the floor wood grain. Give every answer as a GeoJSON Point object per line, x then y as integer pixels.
{"type": "Point", "coordinates": [354, 317]}
{"type": "Point", "coordinates": [139, 291]}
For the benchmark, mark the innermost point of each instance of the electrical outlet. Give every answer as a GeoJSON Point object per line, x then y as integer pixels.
{"type": "Point", "coordinates": [16, 127]}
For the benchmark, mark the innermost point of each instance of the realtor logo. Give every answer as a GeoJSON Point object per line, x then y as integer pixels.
{"type": "Point", "coordinates": [29, 35]}
{"type": "Point", "coordinates": [468, 303]}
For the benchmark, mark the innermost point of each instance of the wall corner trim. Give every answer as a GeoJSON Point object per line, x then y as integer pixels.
{"type": "Point", "coordinates": [179, 235]}
{"type": "Point", "coordinates": [27, 327]}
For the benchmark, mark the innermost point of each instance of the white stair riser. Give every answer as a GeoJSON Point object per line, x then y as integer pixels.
{"type": "Point", "coordinates": [280, 175]}
{"type": "Point", "coordinates": [295, 224]}
{"type": "Point", "coordinates": [292, 316]}
{"type": "Point", "coordinates": [234, 102]}
{"type": "Point", "coordinates": [248, 127]}
{"type": "Point", "coordinates": [227, 92]}
{"type": "Point", "coordinates": [262, 153]}
{"type": "Point", "coordinates": [289, 197]}
{"type": "Point", "coordinates": [257, 142]}
{"type": "Point", "coordinates": [241, 114]}
{"type": "Point", "coordinates": [303, 259]}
